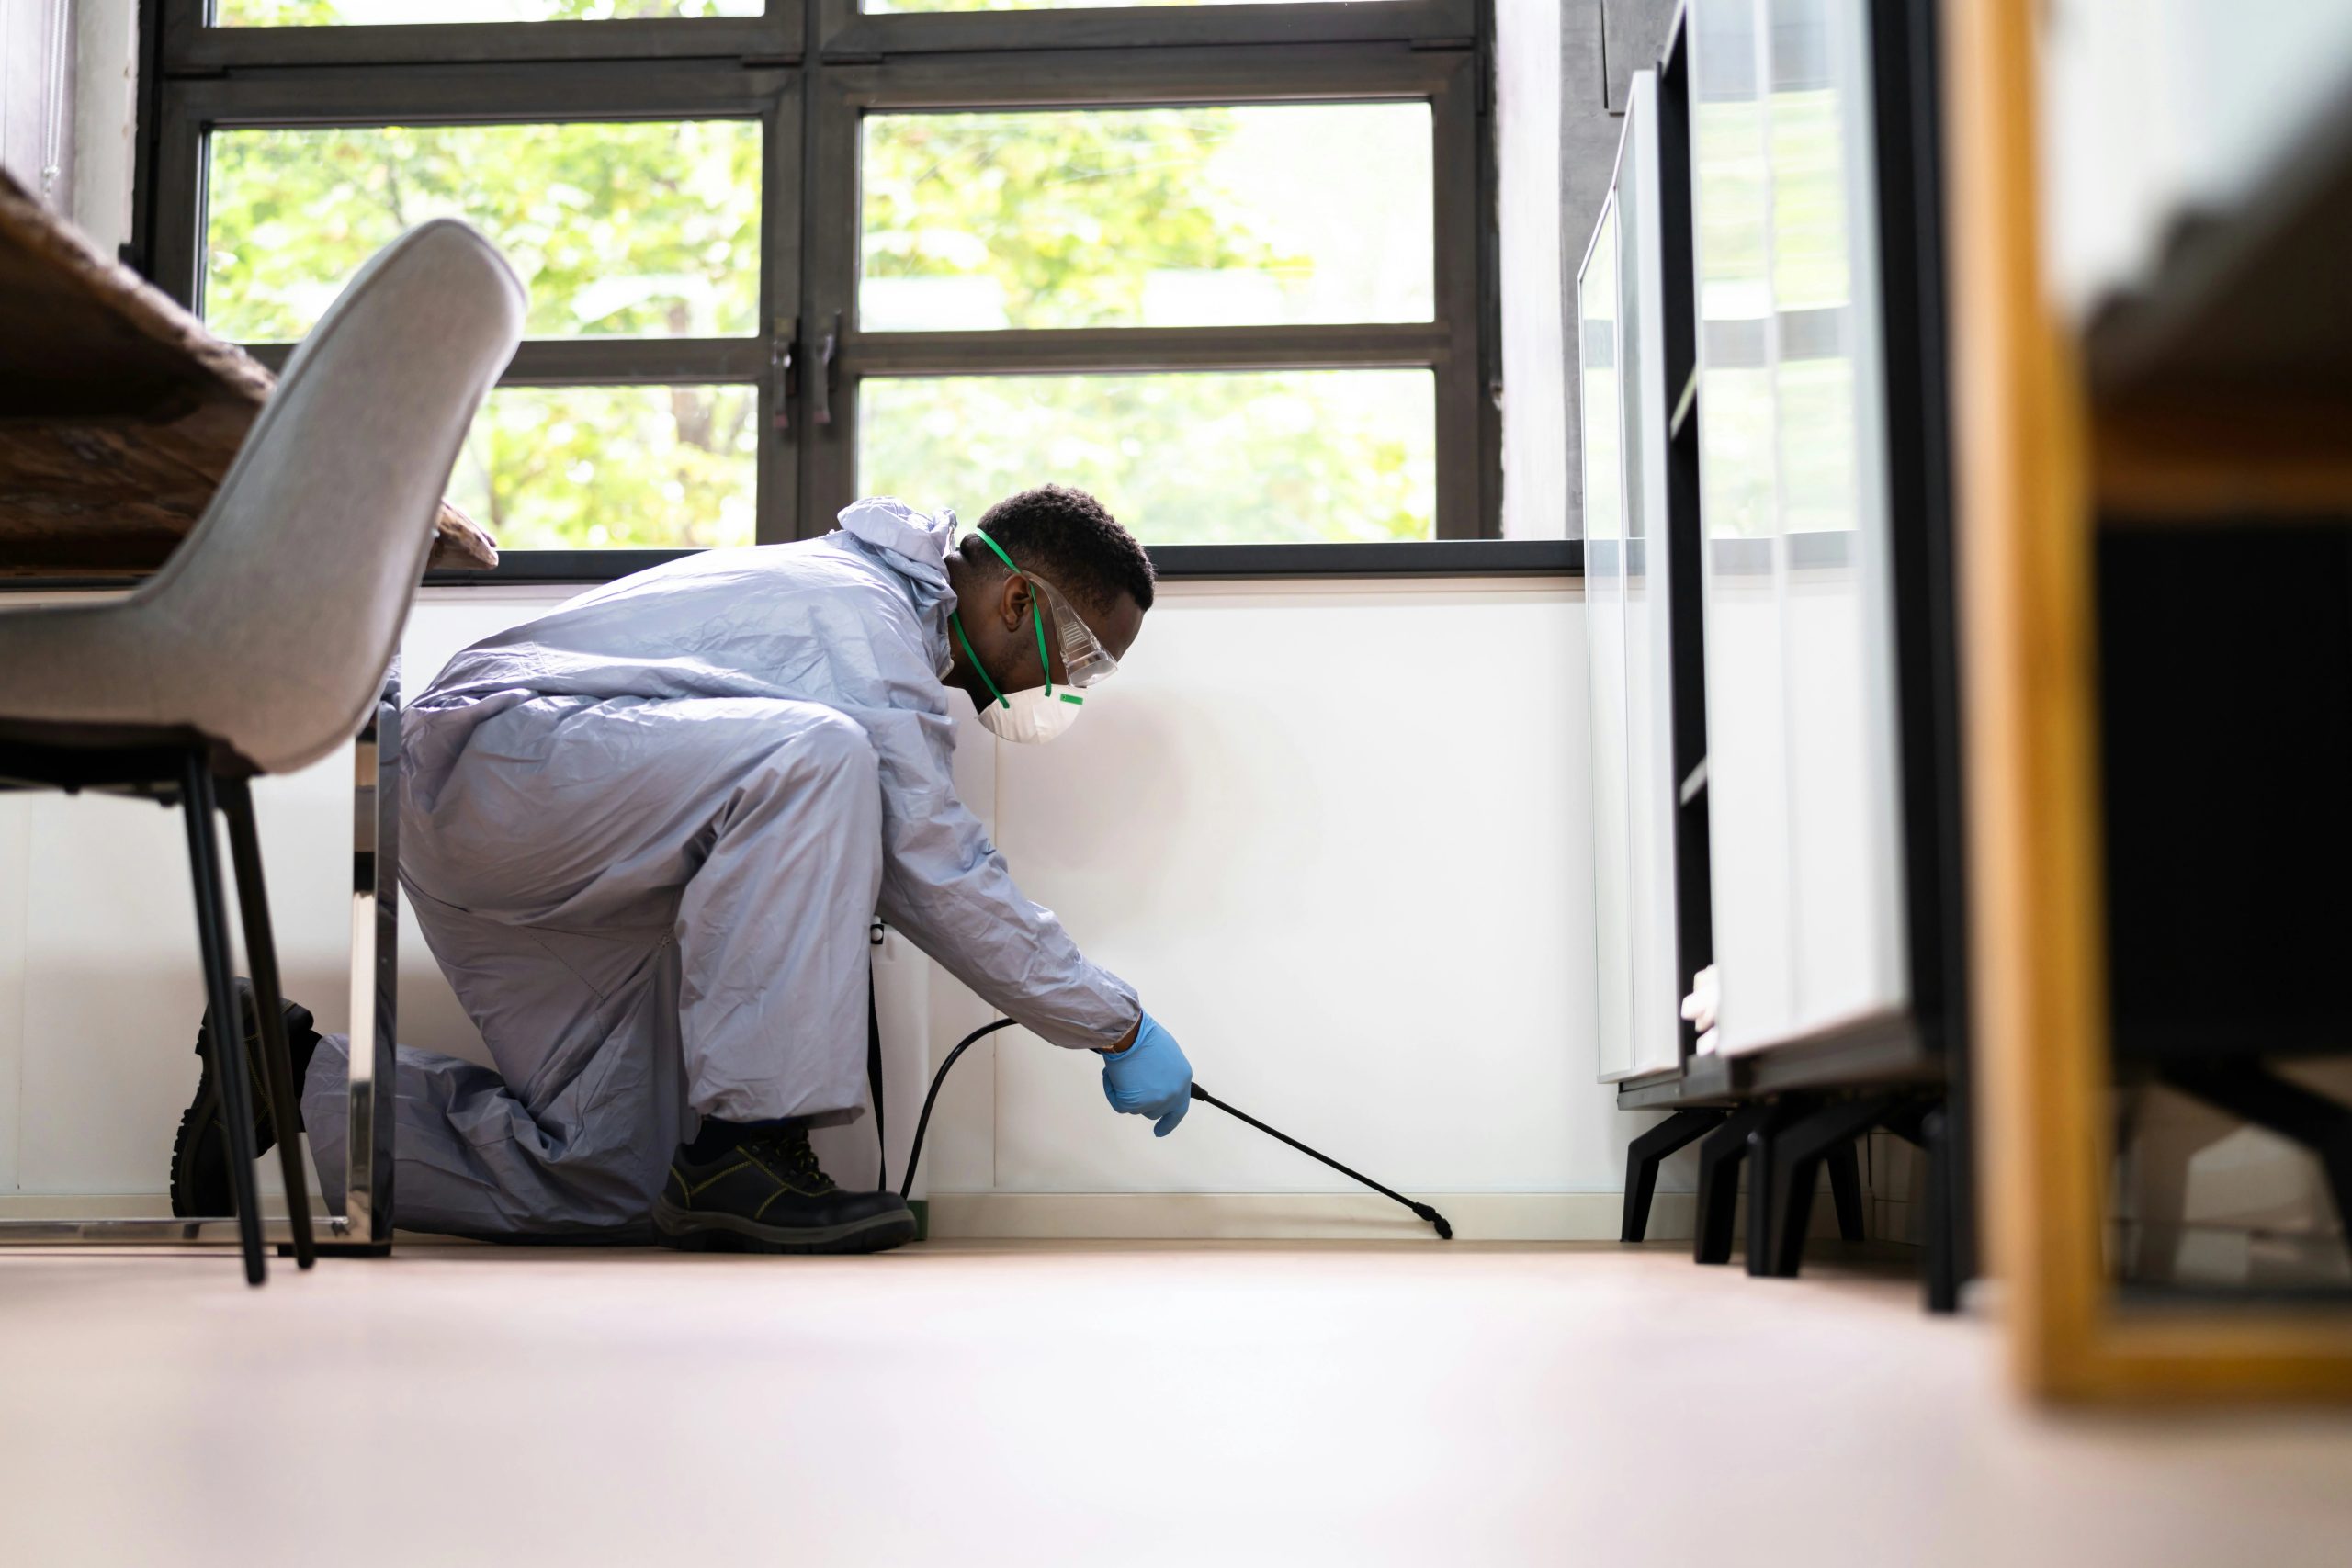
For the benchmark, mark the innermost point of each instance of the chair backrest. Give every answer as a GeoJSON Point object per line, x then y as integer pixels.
{"type": "Point", "coordinates": [295, 583]}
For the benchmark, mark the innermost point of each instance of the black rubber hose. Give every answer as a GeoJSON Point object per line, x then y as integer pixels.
{"type": "Point", "coordinates": [922, 1122]}
{"type": "Point", "coordinates": [923, 1125]}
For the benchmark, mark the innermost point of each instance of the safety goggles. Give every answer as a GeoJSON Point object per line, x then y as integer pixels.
{"type": "Point", "coordinates": [1085, 659]}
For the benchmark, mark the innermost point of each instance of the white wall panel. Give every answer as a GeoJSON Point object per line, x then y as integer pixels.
{"type": "Point", "coordinates": [1336, 836]}
{"type": "Point", "coordinates": [16, 852]}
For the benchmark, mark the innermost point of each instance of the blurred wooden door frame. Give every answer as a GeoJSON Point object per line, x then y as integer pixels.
{"type": "Point", "coordinates": [2030, 475]}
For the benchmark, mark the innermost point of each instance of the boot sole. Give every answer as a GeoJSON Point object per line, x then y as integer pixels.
{"type": "Point", "coordinates": [687, 1230]}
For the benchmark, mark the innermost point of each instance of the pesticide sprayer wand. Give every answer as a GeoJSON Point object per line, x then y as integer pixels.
{"type": "Point", "coordinates": [922, 1124]}
{"type": "Point", "coordinates": [1444, 1231]}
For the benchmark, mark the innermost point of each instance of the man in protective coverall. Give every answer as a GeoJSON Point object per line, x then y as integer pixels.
{"type": "Point", "coordinates": [645, 836]}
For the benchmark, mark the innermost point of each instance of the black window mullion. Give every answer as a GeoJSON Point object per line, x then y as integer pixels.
{"type": "Point", "coordinates": [1468, 434]}
{"type": "Point", "coordinates": [611, 361]}
{"type": "Point", "coordinates": [1440, 558]}
{"type": "Point", "coordinates": [829, 244]}
{"type": "Point", "coordinates": [1112, 349]}
{"type": "Point", "coordinates": [777, 507]}
{"type": "Point", "coordinates": [513, 93]}
{"type": "Point", "coordinates": [177, 240]}
{"type": "Point", "coordinates": [190, 46]}
{"type": "Point", "coordinates": [847, 32]}
{"type": "Point", "coordinates": [1054, 79]}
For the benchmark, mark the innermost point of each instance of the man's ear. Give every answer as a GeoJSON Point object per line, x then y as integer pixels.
{"type": "Point", "coordinates": [1012, 601]}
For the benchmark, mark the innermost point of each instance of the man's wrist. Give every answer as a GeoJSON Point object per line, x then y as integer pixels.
{"type": "Point", "coordinates": [1124, 1041]}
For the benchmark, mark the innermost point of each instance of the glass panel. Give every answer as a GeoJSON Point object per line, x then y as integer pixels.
{"type": "Point", "coordinates": [1655, 1018]}
{"type": "Point", "coordinates": [390, 13]}
{"type": "Point", "coordinates": [633, 231]}
{"type": "Point", "coordinates": [1280, 456]}
{"type": "Point", "coordinates": [1599, 401]}
{"type": "Point", "coordinates": [591, 468]}
{"type": "Point", "coordinates": [1255, 215]}
{"type": "Point", "coordinates": [1844, 899]}
{"type": "Point", "coordinates": [1747, 758]}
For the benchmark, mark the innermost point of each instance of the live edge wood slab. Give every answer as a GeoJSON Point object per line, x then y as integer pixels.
{"type": "Point", "coordinates": [118, 411]}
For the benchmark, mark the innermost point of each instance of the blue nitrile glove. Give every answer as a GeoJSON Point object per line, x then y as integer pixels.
{"type": "Point", "coordinates": [1149, 1077]}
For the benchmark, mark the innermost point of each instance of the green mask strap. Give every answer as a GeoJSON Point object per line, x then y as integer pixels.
{"type": "Point", "coordinates": [1036, 614]}
{"type": "Point", "coordinates": [957, 620]}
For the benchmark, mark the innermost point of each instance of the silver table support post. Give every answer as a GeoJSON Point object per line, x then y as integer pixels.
{"type": "Point", "coordinates": [375, 974]}
{"type": "Point", "coordinates": [364, 1228]}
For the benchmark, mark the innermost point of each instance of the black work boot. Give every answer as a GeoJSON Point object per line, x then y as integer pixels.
{"type": "Point", "coordinates": [200, 1185]}
{"type": "Point", "coordinates": [761, 1191]}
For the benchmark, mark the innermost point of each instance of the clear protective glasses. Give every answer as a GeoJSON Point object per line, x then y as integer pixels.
{"type": "Point", "coordinates": [1084, 659]}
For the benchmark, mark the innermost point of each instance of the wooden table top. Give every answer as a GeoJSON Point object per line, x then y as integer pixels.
{"type": "Point", "coordinates": [118, 411]}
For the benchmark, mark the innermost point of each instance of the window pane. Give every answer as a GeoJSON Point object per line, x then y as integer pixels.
{"type": "Point", "coordinates": [589, 468]}
{"type": "Point", "coordinates": [388, 13]}
{"type": "Point", "coordinates": [633, 231]}
{"type": "Point", "coordinates": [1189, 459]}
{"type": "Point", "coordinates": [1244, 216]}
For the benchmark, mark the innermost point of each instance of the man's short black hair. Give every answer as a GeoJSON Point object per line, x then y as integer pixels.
{"type": "Point", "coordinates": [1068, 538]}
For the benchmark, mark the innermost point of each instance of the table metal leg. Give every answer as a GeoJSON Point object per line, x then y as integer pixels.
{"type": "Point", "coordinates": [375, 971]}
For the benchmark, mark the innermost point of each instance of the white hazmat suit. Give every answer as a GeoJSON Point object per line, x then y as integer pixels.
{"type": "Point", "coordinates": [645, 836]}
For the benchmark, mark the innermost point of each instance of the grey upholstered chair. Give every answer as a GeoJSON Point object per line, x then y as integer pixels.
{"type": "Point", "coordinates": [263, 640]}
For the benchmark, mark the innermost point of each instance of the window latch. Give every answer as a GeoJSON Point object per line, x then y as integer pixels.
{"type": "Point", "coordinates": [782, 347]}
{"type": "Point", "coordinates": [821, 412]}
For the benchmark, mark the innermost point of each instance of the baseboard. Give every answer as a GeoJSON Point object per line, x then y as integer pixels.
{"type": "Point", "coordinates": [110, 1205]}
{"type": "Point", "coordinates": [1149, 1216]}
{"type": "Point", "coordinates": [1294, 1216]}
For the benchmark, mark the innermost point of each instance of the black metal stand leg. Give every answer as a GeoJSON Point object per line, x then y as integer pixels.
{"type": "Point", "coordinates": [1798, 1150]}
{"type": "Point", "coordinates": [197, 804]}
{"type": "Point", "coordinates": [1928, 1125]}
{"type": "Point", "coordinates": [1643, 1156]}
{"type": "Point", "coordinates": [1719, 1156]}
{"type": "Point", "coordinates": [1765, 1201]}
{"type": "Point", "coordinates": [261, 952]}
{"type": "Point", "coordinates": [1846, 1191]}
{"type": "Point", "coordinates": [1943, 1227]}
{"type": "Point", "coordinates": [2252, 1092]}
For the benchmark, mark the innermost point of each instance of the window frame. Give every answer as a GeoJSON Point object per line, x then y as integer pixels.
{"type": "Point", "coordinates": [809, 72]}
{"type": "Point", "coordinates": [193, 46]}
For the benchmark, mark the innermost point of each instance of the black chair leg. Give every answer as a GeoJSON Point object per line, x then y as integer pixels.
{"type": "Point", "coordinates": [1719, 1156]}
{"type": "Point", "coordinates": [1846, 1189]}
{"type": "Point", "coordinates": [1643, 1156]}
{"type": "Point", "coordinates": [261, 951]}
{"type": "Point", "coordinates": [197, 804]}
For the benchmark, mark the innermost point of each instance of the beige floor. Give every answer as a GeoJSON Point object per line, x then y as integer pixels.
{"type": "Point", "coordinates": [961, 1404]}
